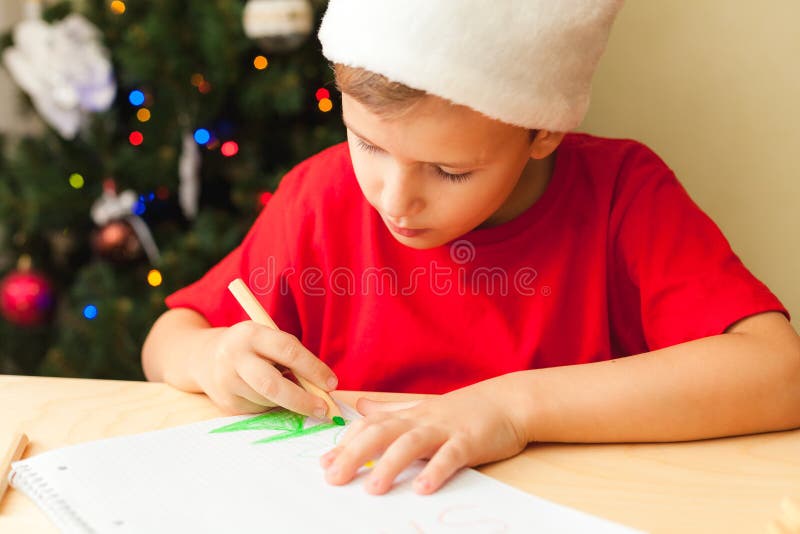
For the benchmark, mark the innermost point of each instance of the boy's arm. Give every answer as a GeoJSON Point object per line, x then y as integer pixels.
{"type": "Point", "coordinates": [174, 346]}
{"type": "Point", "coordinates": [743, 381]}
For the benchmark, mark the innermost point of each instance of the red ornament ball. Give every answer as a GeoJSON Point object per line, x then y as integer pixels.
{"type": "Point", "coordinates": [26, 298]}
{"type": "Point", "coordinates": [117, 242]}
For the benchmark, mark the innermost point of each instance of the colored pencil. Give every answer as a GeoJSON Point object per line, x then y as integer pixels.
{"type": "Point", "coordinates": [18, 445]}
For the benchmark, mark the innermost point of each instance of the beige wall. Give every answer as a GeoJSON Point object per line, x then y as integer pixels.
{"type": "Point", "coordinates": [714, 88]}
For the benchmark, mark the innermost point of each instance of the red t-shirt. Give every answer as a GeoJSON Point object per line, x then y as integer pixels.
{"type": "Point", "coordinates": [614, 259]}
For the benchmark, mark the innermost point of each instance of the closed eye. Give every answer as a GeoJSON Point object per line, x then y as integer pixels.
{"type": "Point", "coordinates": [453, 177]}
{"type": "Point", "coordinates": [366, 147]}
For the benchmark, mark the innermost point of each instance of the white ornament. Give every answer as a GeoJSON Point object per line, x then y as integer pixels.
{"type": "Point", "coordinates": [189, 173]}
{"type": "Point", "coordinates": [112, 207]}
{"type": "Point", "coordinates": [278, 25]}
{"type": "Point", "coordinates": [64, 69]}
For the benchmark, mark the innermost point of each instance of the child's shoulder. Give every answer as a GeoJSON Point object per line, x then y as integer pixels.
{"type": "Point", "coordinates": [608, 150]}
{"type": "Point", "coordinates": [613, 164]}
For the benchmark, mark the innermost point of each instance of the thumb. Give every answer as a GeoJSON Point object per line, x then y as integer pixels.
{"type": "Point", "coordinates": [367, 406]}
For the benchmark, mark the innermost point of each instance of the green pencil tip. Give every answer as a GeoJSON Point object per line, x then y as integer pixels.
{"type": "Point", "coordinates": [338, 420]}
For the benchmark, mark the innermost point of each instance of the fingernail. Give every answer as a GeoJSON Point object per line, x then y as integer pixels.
{"type": "Point", "coordinates": [375, 484]}
{"type": "Point", "coordinates": [333, 472]}
{"type": "Point", "coordinates": [423, 484]}
{"type": "Point", "coordinates": [332, 383]}
{"type": "Point", "coordinates": [319, 412]}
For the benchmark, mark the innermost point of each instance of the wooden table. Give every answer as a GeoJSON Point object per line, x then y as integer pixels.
{"type": "Point", "coordinates": [723, 485]}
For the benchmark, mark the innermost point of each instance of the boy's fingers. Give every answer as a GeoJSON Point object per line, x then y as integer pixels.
{"type": "Point", "coordinates": [409, 447]}
{"type": "Point", "coordinates": [352, 431]}
{"type": "Point", "coordinates": [285, 349]}
{"type": "Point", "coordinates": [243, 390]}
{"type": "Point", "coordinates": [327, 459]}
{"type": "Point", "coordinates": [269, 383]}
{"type": "Point", "coordinates": [450, 457]}
{"type": "Point", "coordinates": [372, 441]}
{"type": "Point", "coordinates": [237, 405]}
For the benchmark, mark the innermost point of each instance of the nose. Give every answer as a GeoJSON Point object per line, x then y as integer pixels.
{"type": "Point", "coordinates": [401, 195]}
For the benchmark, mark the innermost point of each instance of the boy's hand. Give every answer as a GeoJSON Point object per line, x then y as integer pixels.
{"type": "Point", "coordinates": [462, 428]}
{"type": "Point", "coordinates": [240, 372]}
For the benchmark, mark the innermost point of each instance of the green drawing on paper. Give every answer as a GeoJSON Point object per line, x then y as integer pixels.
{"type": "Point", "coordinates": [298, 433]}
{"type": "Point", "coordinates": [276, 419]}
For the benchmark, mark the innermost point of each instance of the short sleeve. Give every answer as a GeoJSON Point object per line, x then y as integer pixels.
{"type": "Point", "coordinates": [262, 260]}
{"type": "Point", "coordinates": [690, 282]}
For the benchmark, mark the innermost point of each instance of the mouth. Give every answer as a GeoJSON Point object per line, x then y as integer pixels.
{"type": "Point", "coordinates": [403, 231]}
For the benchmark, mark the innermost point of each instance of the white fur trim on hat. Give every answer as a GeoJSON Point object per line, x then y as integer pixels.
{"type": "Point", "coordinates": [524, 62]}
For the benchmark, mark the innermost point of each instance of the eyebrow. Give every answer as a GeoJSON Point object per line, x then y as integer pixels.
{"type": "Point", "coordinates": [453, 165]}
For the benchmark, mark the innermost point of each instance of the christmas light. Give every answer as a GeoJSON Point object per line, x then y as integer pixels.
{"type": "Point", "coordinates": [139, 207]}
{"type": "Point", "coordinates": [325, 105]}
{"type": "Point", "coordinates": [213, 144]}
{"type": "Point", "coordinates": [90, 311]}
{"type": "Point", "coordinates": [117, 7]}
{"type": "Point", "coordinates": [202, 136]}
{"type": "Point", "coordinates": [197, 79]}
{"type": "Point", "coordinates": [136, 97]}
{"type": "Point", "coordinates": [260, 62]}
{"type": "Point", "coordinates": [143, 115]}
{"type": "Point", "coordinates": [322, 93]}
{"type": "Point", "coordinates": [136, 138]}
{"type": "Point", "coordinates": [264, 197]}
{"type": "Point", "coordinates": [229, 148]}
{"type": "Point", "coordinates": [76, 180]}
{"type": "Point", "coordinates": [154, 278]}
{"type": "Point", "coordinates": [204, 87]}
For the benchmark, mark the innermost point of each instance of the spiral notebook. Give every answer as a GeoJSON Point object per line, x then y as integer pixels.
{"type": "Point", "coordinates": [261, 474]}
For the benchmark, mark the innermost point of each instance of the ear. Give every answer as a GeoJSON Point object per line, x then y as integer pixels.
{"type": "Point", "coordinates": [545, 143]}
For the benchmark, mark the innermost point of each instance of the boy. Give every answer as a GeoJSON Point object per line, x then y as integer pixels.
{"type": "Point", "coordinates": [462, 243]}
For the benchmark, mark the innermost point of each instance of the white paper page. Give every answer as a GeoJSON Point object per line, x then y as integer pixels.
{"type": "Point", "coordinates": [189, 479]}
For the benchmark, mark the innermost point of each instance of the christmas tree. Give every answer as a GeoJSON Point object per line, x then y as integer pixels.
{"type": "Point", "coordinates": [167, 124]}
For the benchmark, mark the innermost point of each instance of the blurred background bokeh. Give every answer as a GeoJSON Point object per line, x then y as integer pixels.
{"type": "Point", "coordinates": [140, 139]}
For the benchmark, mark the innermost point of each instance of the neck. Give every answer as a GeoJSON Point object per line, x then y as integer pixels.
{"type": "Point", "coordinates": [530, 187]}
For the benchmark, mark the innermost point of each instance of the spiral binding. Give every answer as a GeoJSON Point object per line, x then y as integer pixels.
{"type": "Point", "coordinates": [47, 499]}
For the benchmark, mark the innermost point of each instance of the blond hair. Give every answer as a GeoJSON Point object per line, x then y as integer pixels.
{"type": "Point", "coordinates": [379, 94]}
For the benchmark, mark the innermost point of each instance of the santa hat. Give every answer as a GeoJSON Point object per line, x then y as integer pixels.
{"type": "Point", "coordinates": [524, 62]}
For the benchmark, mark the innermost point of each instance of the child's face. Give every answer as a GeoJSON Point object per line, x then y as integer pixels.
{"type": "Point", "coordinates": [440, 170]}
